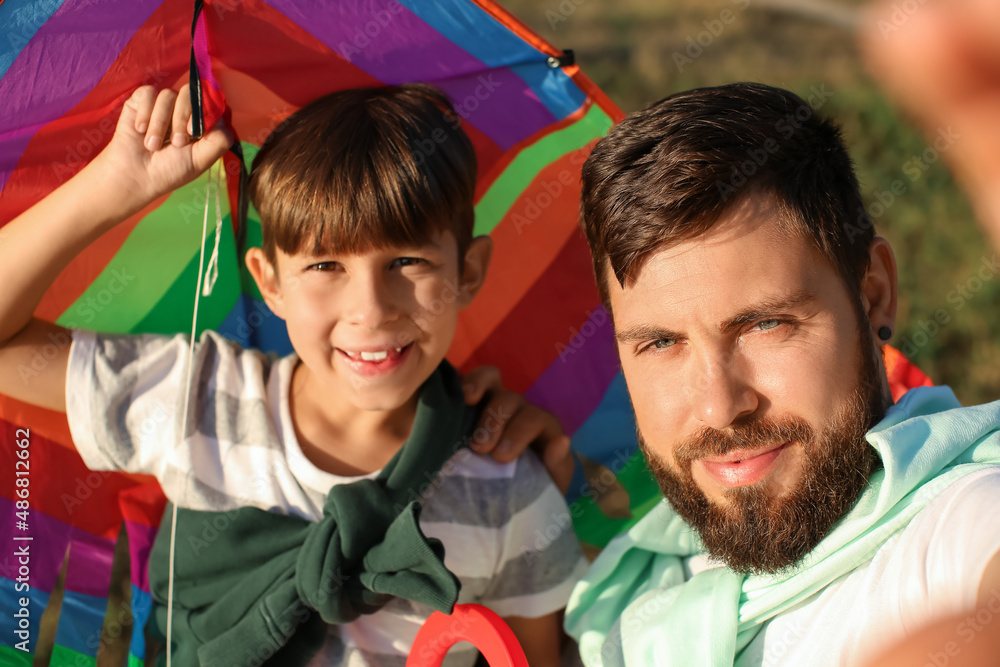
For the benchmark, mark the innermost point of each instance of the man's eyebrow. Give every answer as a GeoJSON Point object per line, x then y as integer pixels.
{"type": "Point", "coordinates": [642, 332]}
{"type": "Point", "coordinates": [767, 308]}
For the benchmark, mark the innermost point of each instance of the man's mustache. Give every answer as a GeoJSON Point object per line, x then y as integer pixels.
{"type": "Point", "coordinates": [757, 433]}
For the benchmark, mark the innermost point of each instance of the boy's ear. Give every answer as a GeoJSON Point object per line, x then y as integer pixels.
{"type": "Point", "coordinates": [879, 288]}
{"type": "Point", "coordinates": [266, 277]}
{"type": "Point", "coordinates": [477, 262]}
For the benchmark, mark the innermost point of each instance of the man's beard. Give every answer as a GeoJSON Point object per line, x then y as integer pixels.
{"type": "Point", "coordinates": [755, 532]}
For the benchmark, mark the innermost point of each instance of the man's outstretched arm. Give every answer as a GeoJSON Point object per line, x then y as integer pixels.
{"type": "Point", "coordinates": [968, 639]}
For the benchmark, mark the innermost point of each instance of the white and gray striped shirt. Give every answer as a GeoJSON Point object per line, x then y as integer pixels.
{"type": "Point", "coordinates": [505, 527]}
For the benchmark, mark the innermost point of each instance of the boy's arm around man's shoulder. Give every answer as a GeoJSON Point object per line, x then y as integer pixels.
{"type": "Point", "coordinates": [511, 425]}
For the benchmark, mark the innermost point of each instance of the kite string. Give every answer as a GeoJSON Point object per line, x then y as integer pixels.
{"type": "Point", "coordinates": [187, 400]}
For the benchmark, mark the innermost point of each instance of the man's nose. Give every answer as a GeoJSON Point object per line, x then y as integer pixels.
{"type": "Point", "coordinates": [368, 301]}
{"type": "Point", "coordinates": [721, 391]}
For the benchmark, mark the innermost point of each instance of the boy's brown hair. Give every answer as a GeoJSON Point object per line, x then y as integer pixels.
{"type": "Point", "coordinates": [364, 169]}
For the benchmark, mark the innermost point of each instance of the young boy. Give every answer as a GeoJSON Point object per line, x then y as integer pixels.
{"type": "Point", "coordinates": [368, 256]}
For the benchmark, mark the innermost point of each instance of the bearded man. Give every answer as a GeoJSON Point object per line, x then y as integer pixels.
{"type": "Point", "coordinates": [807, 519]}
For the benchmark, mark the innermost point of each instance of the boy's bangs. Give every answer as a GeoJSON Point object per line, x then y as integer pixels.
{"type": "Point", "coordinates": [383, 200]}
{"type": "Point", "coordinates": [365, 170]}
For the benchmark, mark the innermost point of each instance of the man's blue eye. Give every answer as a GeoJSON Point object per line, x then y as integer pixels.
{"type": "Point", "coordinates": [764, 325]}
{"type": "Point", "coordinates": [663, 343]}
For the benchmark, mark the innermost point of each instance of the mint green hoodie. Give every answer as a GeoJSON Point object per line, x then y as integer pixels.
{"type": "Point", "coordinates": [635, 606]}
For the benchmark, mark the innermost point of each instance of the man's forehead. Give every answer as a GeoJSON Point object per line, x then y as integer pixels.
{"type": "Point", "coordinates": [733, 243]}
{"type": "Point", "coordinates": [752, 222]}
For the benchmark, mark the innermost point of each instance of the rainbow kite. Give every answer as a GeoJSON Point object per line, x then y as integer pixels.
{"type": "Point", "coordinates": [66, 67]}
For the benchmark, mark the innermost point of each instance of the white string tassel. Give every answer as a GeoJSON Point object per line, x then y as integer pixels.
{"type": "Point", "coordinates": [187, 401]}
{"type": "Point", "coordinates": [213, 263]}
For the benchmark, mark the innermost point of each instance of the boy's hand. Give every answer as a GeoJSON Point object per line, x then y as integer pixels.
{"type": "Point", "coordinates": [511, 424]}
{"type": "Point", "coordinates": [151, 152]}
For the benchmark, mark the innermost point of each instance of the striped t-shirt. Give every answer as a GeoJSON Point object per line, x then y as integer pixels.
{"type": "Point", "coordinates": [505, 527]}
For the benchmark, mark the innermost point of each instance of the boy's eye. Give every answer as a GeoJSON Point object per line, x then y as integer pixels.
{"type": "Point", "coordinates": [406, 261]}
{"type": "Point", "coordinates": [325, 266]}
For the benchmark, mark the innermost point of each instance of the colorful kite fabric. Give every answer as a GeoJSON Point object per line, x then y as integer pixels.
{"type": "Point", "coordinates": [66, 67]}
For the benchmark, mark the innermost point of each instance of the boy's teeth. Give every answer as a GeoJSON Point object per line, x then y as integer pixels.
{"type": "Point", "coordinates": [368, 356]}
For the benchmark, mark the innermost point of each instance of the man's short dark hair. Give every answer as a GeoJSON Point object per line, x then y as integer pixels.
{"type": "Point", "coordinates": [669, 173]}
{"type": "Point", "coordinates": [364, 169]}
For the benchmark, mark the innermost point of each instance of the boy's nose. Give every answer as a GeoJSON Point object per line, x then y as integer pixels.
{"type": "Point", "coordinates": [368, 302]}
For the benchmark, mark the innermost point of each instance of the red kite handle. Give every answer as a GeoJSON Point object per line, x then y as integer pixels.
{"type": "Point", "coordinates": [471, 623]}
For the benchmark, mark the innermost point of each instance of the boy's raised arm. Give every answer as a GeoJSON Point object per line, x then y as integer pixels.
{"type": "Point", "coordinates": [149, 155]}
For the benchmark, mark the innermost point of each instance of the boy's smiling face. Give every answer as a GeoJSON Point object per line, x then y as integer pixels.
{"type": "Point", "coordinates": [371, 327]}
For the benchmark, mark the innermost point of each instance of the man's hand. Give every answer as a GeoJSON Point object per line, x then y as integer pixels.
{"type": "Point", "coordinates": [941, 60]}
{"type": "Point", "coordinates": [151, 152]}
{"type": "Point", "coordinates": [511, 424]}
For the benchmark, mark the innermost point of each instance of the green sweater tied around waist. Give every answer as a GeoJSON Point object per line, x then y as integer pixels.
{"type": "Point", "coordinates": [260, 587]}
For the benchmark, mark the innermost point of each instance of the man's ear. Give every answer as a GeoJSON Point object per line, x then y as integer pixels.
{"type": "Point", "coordinates": [266, 277]}
{"type": "Point", "coordinates": [477, 262]}
{"type": "Point", "coordinates": [879, 288]}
